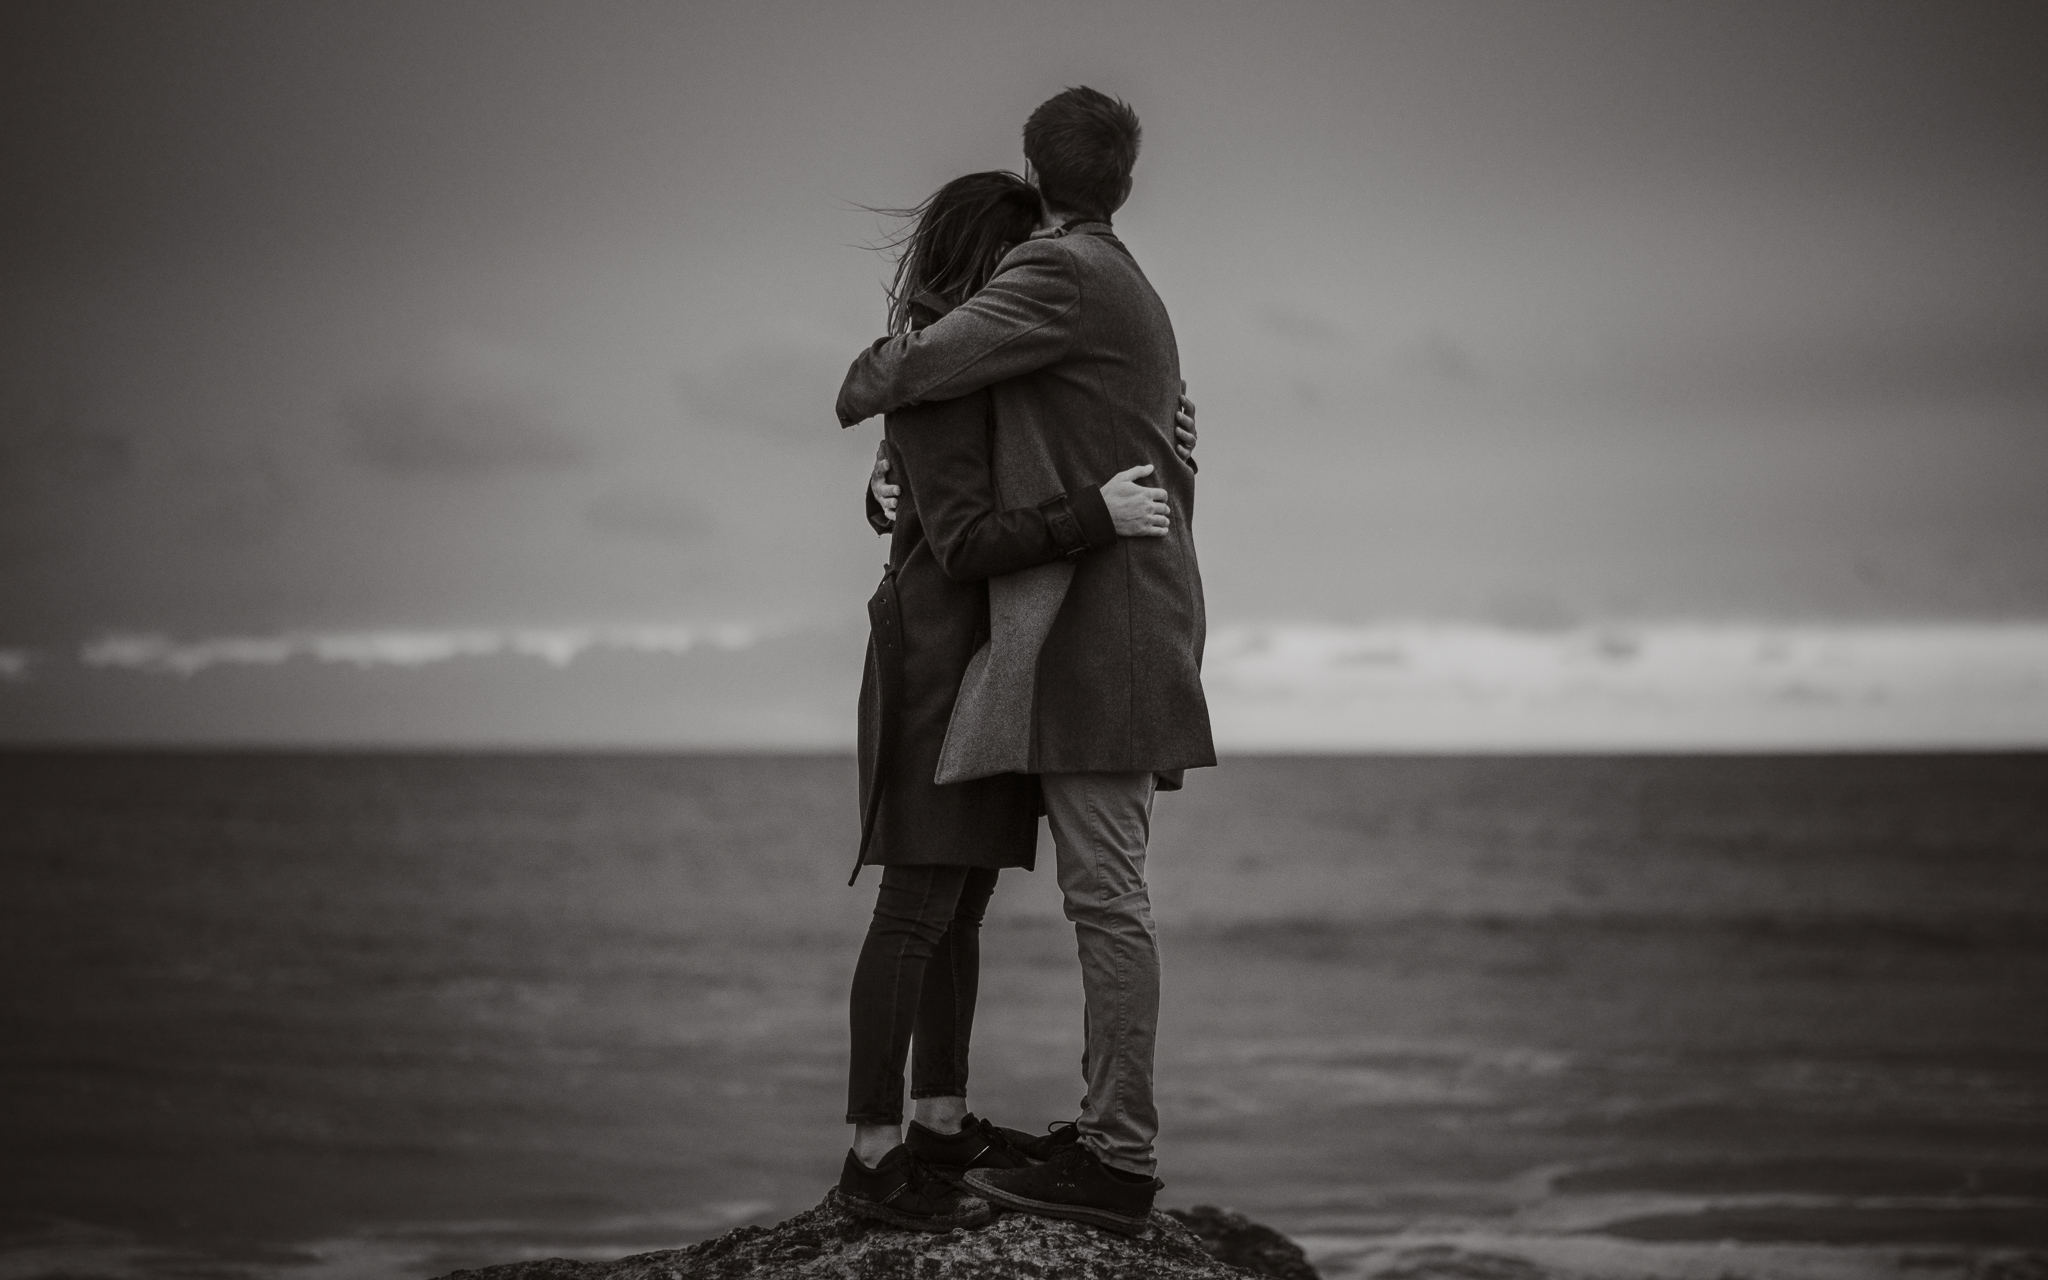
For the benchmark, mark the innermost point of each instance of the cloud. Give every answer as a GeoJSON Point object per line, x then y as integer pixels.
{"type": "Point", "coordinates": [63, 454]}
{"type": "Point", "coordinates": [239, 496]}
{"type": "Point", "coordinates": [557, 646]}
{"type": "Point", "coordinates": [1444, 358]}
{"type": "Point", "coordinates": [784, 387]}
{"type": "Point", "coordinates": [1393, 686]}
{"type": "Point", "coordinates": [647, 516]}
{"type": "Point", "coordinates": [66, 472]}
{"type": "Point", "coordinates": [50, 439]}
{"type": "Point", "coordinates": [471, 407]}
{"type": "Point", "coordinates": [1859, 362]}
{"type": "Point", "coordinates": [1300, 324]}
{"type": "Point", "coordinates": [14, 663]}
{"type": "Point", "coordinates": [1661, 686]}
{"type": "Point", "coordinates": [1524, 609]}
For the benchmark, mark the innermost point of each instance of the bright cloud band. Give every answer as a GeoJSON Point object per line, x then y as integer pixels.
{"type": "Point", "coordinates": [1275, 686]}
{"type": "Point", "coordinates": [1667, 685]}
{"type": "Point", "coordinates": [557, 646]}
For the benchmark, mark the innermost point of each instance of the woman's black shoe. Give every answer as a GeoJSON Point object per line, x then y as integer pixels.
{"type": "Point", "coordinates": [1073, 1184]}
{"type": "Point", "coordinates": [978, 1145]}
{"type": "Point", "coordinates": [902, 1192]}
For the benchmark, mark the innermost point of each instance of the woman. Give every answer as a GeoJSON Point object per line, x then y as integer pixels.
{"type": "Point", "coordinates": [941, 847]}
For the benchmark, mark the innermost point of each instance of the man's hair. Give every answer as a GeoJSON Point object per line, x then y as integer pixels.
{"type": "Point", "coordinates": [1082, 145]}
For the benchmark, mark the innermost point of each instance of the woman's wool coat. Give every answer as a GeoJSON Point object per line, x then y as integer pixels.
{"type": "Point", "coordinates": [929, 618]}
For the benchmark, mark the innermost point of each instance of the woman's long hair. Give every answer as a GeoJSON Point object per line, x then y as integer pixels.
{"type": "Point", "coordinates": [959, 236]}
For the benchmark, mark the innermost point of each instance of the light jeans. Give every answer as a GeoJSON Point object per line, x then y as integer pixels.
{"type": "Point", "coordinates": [1100, 823]}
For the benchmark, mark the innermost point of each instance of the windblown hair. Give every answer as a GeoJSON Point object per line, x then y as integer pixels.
{"type": "Point", "coordinates": [1082, 144]}
{"type": "Point", "coordinates": [961, 233]}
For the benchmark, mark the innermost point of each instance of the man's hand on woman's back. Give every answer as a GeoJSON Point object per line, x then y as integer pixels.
{"type": "Point", "coordinates": [878, 483]}
{"type": "Point", "coordinates": [1141, 512]}
{"type": "Point", "coordinates": [1184, 427]}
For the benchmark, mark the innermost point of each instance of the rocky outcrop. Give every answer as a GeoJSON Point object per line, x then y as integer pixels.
{"type": "Point", "coordinates": [827, 1243]}
{"type": "Point", "coordinates": [1235, 1239]}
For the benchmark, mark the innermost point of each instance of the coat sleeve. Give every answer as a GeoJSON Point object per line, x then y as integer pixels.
{"type": "Point", "coordinates": [946, 471]}
{"type": "Point", "coordinates": [1024, 319]}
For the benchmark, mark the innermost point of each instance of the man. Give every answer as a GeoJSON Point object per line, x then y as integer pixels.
{"type": "Point", "coordinates": [1092, 674]}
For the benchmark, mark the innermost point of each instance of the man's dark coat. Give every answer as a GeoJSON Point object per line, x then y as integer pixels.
{"type": "Point", "coordinates": [931, 616]}
{"type": "Point", "coordinates": [1092, 665]}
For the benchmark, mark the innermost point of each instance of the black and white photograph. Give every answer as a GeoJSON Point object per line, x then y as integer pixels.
{"type": "Point", "coordinates": [611, 667]}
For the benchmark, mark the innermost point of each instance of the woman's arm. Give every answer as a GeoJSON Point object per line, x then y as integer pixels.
{"type": "Point", "coordinates": [946, 466]}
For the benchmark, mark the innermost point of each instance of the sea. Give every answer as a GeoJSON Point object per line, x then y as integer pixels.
{"type": "Point", "coordinates": [329, 1016]}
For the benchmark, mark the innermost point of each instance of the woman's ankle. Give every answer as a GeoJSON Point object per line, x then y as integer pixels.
{"type": "Point", "coordinates": [940, 1115]}
{"type": "Point", "coordinates": [871, 1142]}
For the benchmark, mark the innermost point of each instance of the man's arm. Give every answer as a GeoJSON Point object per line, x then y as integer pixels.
{"type": "Point", "coordinates": [1023, 320]}
{"type": "Point", "coordinates": [882, 493]}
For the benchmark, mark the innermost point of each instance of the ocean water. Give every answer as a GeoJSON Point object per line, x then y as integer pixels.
{"type": "Point", "coordinates": [324, 1016]}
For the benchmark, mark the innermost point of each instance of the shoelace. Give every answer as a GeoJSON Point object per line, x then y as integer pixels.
{"type": "Point", "coordinates": [1066, 1164]}
{"type": "Point", "coordinates": [995, 1136]}
{"type": "Point", "coordinates": [917, 1175]}
{"type": "Point", "coordinates": [1070, 1138]}
{"type": "Point", "coordinates": [915, 1178]}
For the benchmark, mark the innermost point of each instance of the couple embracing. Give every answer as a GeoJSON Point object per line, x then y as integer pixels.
{"type": "Point", "coordinates": [1036, 648]}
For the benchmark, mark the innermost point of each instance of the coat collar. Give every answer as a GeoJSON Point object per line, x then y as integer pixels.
{"type": "Point", "coordinates": [1076, 227]}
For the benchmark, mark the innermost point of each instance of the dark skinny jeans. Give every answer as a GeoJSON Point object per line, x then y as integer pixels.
{"type": "Point", "coordinates": [918, 971]}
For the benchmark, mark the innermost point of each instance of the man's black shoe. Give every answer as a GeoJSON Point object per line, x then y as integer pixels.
{"type": "Point", "coordinates": [978, 1145]}
{"type": "Point", "coordinates": [1073, 1184]}
{"type": "Point", "coordinates": [1044, 1146]}
{"type": "Point", "coordinates": [902, 1192]}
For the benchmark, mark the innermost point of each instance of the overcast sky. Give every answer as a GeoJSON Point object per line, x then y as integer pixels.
{"type": "Point", "coordinates": [389, 325]}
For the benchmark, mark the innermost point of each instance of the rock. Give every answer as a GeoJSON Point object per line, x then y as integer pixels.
{"type": "Point", "coordinates": [545, 1269]}
{"type": "Point", "coordinates": [1237, 1240]}
{"type": "Point", "coordinates": [1443, 1262]}
{"type": "Point", "coordinates": [827, 1243]}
